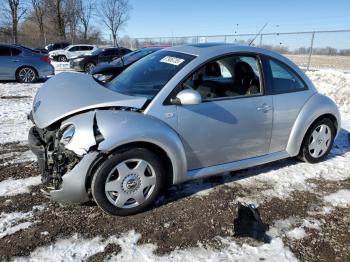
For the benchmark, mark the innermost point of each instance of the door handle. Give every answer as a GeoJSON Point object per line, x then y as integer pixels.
{"type": "Point", "coordinates": [15, 60]}
{"type": "Point", "coordinates": [264, 107]}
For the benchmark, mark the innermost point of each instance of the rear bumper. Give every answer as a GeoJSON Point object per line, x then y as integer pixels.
{"type": "Point", "coordinates": [46, 70]}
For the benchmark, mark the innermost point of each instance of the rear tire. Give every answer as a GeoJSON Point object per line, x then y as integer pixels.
{"type": "Point", "coordinates": [318, 141]}
{"type": "Point", "coordinates": [26, 74]}
{"type": "Point", "coordinates": [128, 182]}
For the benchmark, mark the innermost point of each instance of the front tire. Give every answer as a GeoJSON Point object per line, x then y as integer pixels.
{"type": "Point", "coordinates": [88, 67]}
{"type": "Point", "coordinates": [26, 74]}
{"type": "Point", "coordinates": [62, 58]}
{"type": "Point", "coordinates": [318, 141]}
{"type": "Point", "coordinates": [128, 182]}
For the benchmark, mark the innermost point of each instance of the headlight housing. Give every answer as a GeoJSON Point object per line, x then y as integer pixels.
{"type": "Point", "coordinates": [102, 77]}
{"type": "Point", "coordinates": [67, 134]}
{"type": "Point", "coordinates": [77, 60]}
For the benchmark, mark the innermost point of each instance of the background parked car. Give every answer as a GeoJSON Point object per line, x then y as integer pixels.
{"type": "Point", "coordinates": [105, 72]}
{"type": "Point", "coordinates": [57, 46]}
{"type": "Point", "coordinates": [71, 51]}
{"type": "Point", "coordinates": [42, 51]}
{"type": "Point", "coordinates": [23, 64]}
{"type": "Point", "coordinates": [88, 62]}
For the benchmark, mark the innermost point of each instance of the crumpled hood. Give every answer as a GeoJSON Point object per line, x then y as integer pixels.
{"type": "Point", "coordinates": [70, 93]}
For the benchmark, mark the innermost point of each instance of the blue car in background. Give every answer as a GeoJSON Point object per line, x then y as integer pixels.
{"type": "Point", "coordinates": [23, 64]}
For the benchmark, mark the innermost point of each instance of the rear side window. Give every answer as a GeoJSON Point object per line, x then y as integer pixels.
{"type": "Point", "coordinates": [5, 51]}
{"type": "Point", "coordinates": [85, 48]}
{"type": "Point", "coordinates": [109, 52]}
{"type": "Point", "coordinates": [284, 80]}
{"type": "Point", "coordinates": [15, 51]}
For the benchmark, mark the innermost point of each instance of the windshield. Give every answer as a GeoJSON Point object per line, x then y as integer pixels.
{"type": "Point", "coordinates": [150, 74]}
{"type": "Point", "coordinates": [97, 51]}
{"type": "Point", "coordinates": [133, 56]}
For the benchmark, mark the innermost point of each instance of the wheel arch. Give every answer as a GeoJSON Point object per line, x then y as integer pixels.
{"type": "Point", "coordinates": [160, 152]}
{"type": "Point", "coordinates": [316, 108]}
{"type": "Point", "coordinates": [122, 129]}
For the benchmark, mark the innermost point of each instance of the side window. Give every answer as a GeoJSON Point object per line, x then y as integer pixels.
{"type": "Point", "coordinates": [74, 49]}
{"type": "Point", "coordinates": [283, 79]}
{"type": "Point", "coordinates": [5, 51]}
{"type": "Point", "coordinates": [231, 76]}
{"type": "Point", "coordinates": [15, 51]}
{"type": "Point", "coordinates": [86, 48]}
{"type": "Point", "coordinates": [108, 52]}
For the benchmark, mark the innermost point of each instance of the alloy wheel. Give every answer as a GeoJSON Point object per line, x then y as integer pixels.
{"type": "Point", "coordinates": [27, 75]}
{"type": "Point", "coordinates": [320, 140]}
{"type": "Point", "coordinates": [130, 183]}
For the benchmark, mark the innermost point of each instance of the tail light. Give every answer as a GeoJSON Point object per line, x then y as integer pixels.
{"type": "Point", "coordinates": [46, 59]}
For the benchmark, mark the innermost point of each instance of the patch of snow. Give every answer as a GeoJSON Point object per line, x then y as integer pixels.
{"type": "Point", "coordinates": [13, 112]}
{"type": "Point", "coordinates": [10, 223]}
{"type": "Point", "coordinates": [296, 233]}
{"type": "Point", "coordinates": [339, 199]}
{"type": "Point", "coordinates": [293, 227]}
{"type": "Point", "coordinates": [17, 157]}
{"type": "Point", "coordinates": [311, 223]}
{"type": "Point", "coordinates": [11, 187]}
{"type": "Point", "coordinates": [79, 249]}
{"type": "Point", "coordinates": [333, 83]}
{"type": "Point", "coordinates": [72, 249]}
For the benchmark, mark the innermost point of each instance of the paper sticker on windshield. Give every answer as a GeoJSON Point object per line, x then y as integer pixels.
{"type": "Point", "coordinates": [172, 60]}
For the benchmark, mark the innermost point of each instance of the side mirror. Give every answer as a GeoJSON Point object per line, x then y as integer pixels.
{"type": "Point", "coordinates": [187, 97]}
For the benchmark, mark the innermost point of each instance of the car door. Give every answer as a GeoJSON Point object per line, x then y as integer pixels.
{"type": "Point", "coordinates": [106, 56]}
{"type": "Point", "coordinates": [289, 94]}
{"type": "Point", "coordinates": [84, 49]}
{"type": "Point", "coordinates": [234, 120]}
{"type": "Point", "coordinates": [7, 63]}
{"type": "Point", "coordinates": [73, 51]}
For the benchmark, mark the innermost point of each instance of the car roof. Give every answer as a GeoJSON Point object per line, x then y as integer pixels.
{"type": "Point", "coordinates": [213, 49]}
{"type": "Point", "coordinates": [210, 50]}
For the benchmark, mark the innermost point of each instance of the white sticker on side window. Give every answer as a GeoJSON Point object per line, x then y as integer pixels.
{"type": "Point", "coordinates": [172, 60]}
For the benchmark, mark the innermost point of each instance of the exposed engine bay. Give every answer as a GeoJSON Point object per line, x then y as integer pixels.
{"type": "Point", "coordinates": [51, 146]}
{"type": "Point", "coordinates": [53, 159]}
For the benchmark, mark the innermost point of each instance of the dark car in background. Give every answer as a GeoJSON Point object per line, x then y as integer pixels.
{"type": "Point", "coordinates": [23, 64]}
{"type": "Point", "coordinates": [87, 62]}
{"type": "Point", "coordinates": [42, 51]}
{"type": "Point", "coordinates": [56, 46]}
{"type": "Point", "coordinates": [105, 72]}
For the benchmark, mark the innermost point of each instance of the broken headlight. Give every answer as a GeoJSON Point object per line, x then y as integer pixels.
{"type": "Point", "coordinates": [67, 134]}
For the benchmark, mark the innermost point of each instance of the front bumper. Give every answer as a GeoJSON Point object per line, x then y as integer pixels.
{"type": "Point", "coordinates": [75, 65]}
{"type": "Point", "coordinates": [72, 188]}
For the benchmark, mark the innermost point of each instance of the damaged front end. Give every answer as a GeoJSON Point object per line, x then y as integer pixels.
{"type": "Point", "coordinates": [65, 153]}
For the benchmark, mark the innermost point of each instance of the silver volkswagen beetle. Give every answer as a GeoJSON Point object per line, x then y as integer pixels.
{"type": "Point", "coordinates": [181, 113]}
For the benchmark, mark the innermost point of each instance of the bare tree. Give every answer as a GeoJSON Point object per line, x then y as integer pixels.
{"type": "Point", "coordinates": [39, 13]}
{"type": "Point", "coordinates": [85, 13]}
{"type": "Point", "coordinates": [59, 17]}
{"type": "Point", "coordinates": [114, 14]}
{"type": "Point", "coordinates": [13, 12]}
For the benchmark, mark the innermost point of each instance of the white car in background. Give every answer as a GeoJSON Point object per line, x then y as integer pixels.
{"type": "Point", "coordinates": [63, 55]}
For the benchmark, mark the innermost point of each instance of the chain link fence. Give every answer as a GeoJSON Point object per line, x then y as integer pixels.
{"type": "Point", "coordinates": [310, 50]}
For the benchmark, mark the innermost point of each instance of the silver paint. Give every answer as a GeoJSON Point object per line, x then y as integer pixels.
{"type": "Point", "coordinates": [200, 140]}
{"type": "Point", "coordinates": [70, 93]}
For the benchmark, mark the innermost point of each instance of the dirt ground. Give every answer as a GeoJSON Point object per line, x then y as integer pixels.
{"type": "Point", "coordinates": [181, 219]}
